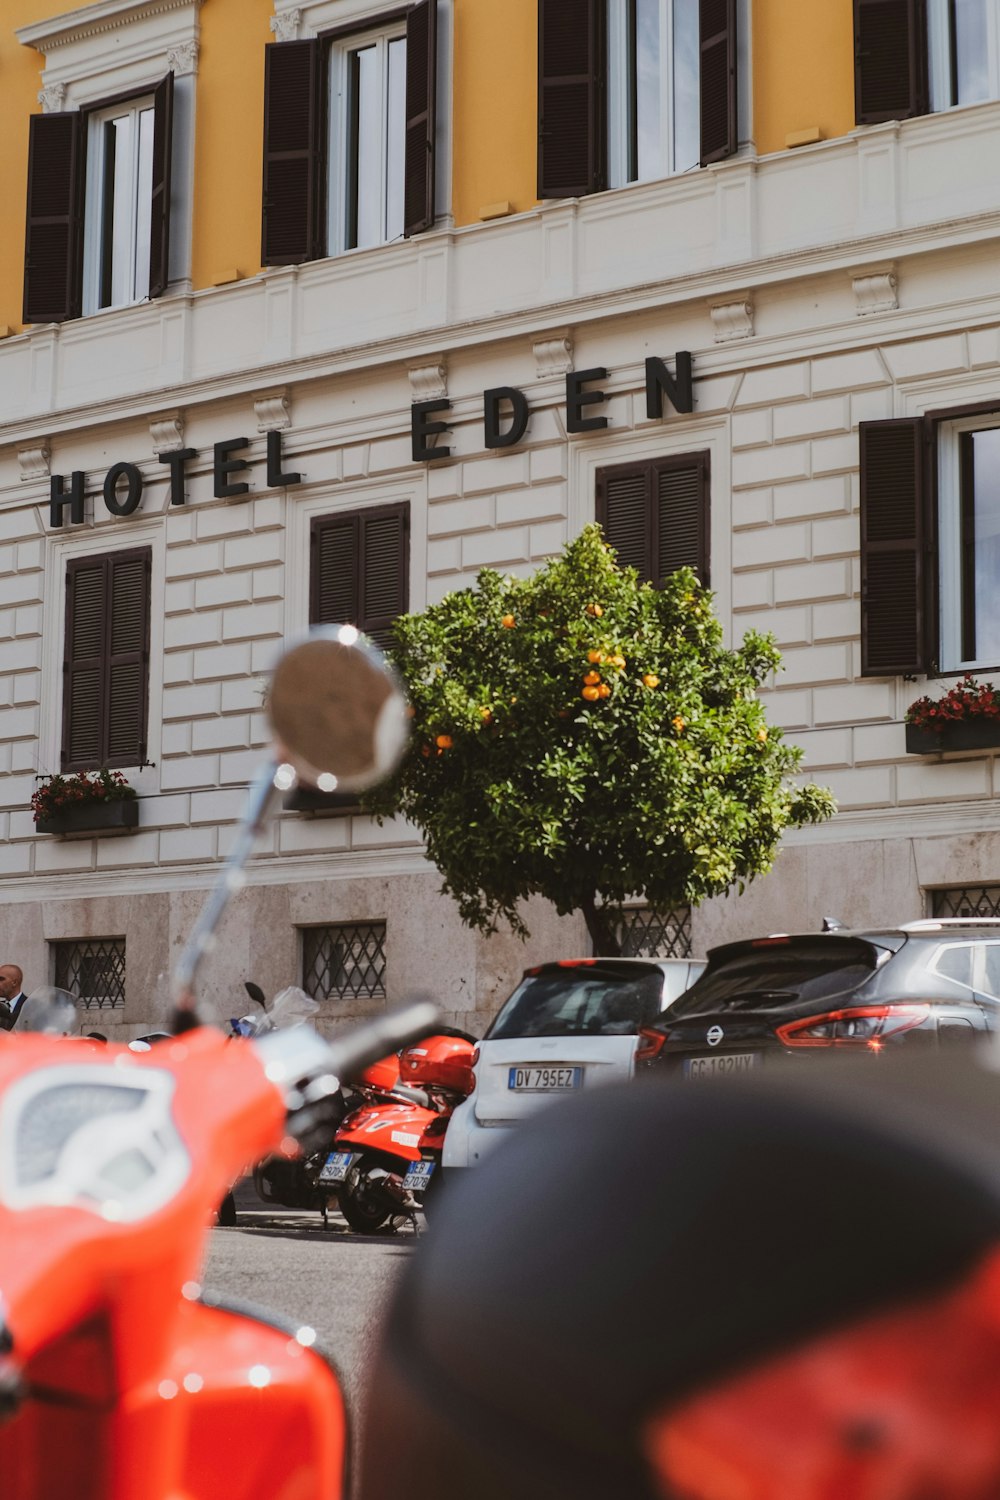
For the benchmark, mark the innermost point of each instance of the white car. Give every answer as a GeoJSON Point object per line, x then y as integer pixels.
{"type": "Point", "coordinates": [569, 1025]}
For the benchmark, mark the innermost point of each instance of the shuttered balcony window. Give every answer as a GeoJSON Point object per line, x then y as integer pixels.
{"type": "Point", "coordinates": [656, 514]}
{"type": "Point", "coordinates": [98, 228]}
{"type": "Point", "coordinates": [632, 90]}
{"type": "Point", "coordinates": [913, 56]}
{"type": "Point", "coordinates": [350, 124]}
{"type": "Point", "coordinates": [106, 661]}
{"type": "Point", "coordinates": [359, 569]}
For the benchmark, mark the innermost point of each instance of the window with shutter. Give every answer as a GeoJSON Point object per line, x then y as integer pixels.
{"type": "Point", "coordinates": [912, 56]}
{"type": "Point", "coordinates": [52, 247]}
{"type": "Point", "coordinates": [656, 514]}
{"type": "Point", "coordinates": [350, 127]}
{"type": "Point", "coordinates": [106, 660]}
{"type": "Point", "coordinates": [359, 570]}
{"type": "Point", "coordinates": [655, 81]}
{"type": "Point", "coordinates": [895, 622]}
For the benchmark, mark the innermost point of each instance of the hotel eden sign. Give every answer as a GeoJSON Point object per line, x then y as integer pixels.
{"type": "Point", "coordinates": [506, 413]}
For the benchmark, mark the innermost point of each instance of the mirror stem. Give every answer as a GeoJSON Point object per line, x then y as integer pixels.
{"type": "Point", "coordinates": [267, 786]}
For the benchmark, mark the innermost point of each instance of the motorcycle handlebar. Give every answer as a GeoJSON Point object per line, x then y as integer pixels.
{"type": "Point", "coordinates": [307, 1068]}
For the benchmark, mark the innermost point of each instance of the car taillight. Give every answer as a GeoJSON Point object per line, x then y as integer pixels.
{"type": "Point", "coordinates": [474, 1058]}
{"type": "Point", "coordinates": [650, 1044]}
{"type": "Point", "coordinates": [859, 1026]}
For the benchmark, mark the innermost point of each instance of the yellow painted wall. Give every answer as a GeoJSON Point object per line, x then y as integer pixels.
{"type": "Point", "coordinates": [803, 69]}
{"type": "Point", "coordinates": [495, 135]}
{"type": "Point", "coordinates": [229, 136]}
{"type": "Point", "coordinates": [20, 80]}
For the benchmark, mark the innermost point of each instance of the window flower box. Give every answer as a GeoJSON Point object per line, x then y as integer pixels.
{"type": "Point", "coordinates": [85, 803]}
{"type": "Point", "coordinates": [967, 717]}
{"type": "Point", "coordinates": [308, 799]}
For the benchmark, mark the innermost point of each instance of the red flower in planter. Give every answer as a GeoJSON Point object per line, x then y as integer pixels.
{"type": "Point", "coordinates": [967, 700]}
{"type": "Point", "coordinates": [56, 792]}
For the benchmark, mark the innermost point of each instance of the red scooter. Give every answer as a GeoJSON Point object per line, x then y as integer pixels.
{"type": "Point", "coordinates": [386, 1159]}
{"type": "Point", "coordinates": [119, 1378]}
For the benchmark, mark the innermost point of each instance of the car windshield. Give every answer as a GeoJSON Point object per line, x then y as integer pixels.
{"type": "Point", "coordinates": [769, 976]}
{"type": "Point", "coordinates": [580, 1002]}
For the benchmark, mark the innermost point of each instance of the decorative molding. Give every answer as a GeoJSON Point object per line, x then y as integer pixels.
{"type": "Point", "coordinates": [52, 98]}
{"type": "Point", "coordinates": [553, 356]}
{"type": "Point", "coordinates": [876, 290]}
{"type": "Point", "coordinates": [183, 59]}
{"type": "Point", "coordinates": [273, 412]}
{"type": "Point", "coordinates": [732, 320]}
{"type": "Point", "coordinates": [428, 381]}
{"type": "Point", "coordinates": [94, 20]}
{"type": "Point", "coordinates": [286, 25]}
{"type": "Point", "coordinates": [34, 460]}
{"type": "Point", "coordinates": [167, 431]}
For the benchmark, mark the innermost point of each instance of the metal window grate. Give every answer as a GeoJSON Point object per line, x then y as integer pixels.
{"type": "Point", "coordinates": [345, 961]}
{"type": "Point", "coordinates": [644, 933]}
{"type": "Point", "coordinates": [966, 901]}
{"type": "Point", "coordinates": [93, 969]}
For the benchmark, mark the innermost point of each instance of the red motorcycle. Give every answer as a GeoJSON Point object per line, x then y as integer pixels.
{"type": "Point", "coordinates": [119, 1378]}
{"type": "Point", "coordinates": [386, 1159]}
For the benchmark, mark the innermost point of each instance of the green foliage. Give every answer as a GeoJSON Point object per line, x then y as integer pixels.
{"type": "Point", "coordinates": [580, 735]}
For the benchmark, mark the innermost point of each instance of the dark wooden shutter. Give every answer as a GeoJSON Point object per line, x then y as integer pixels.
{"type": "Point", "coordinates": [572, 94]}
{"type": "Point", "coordinates": [681, 515]}
{"type": "Point", "coordinates": [719, 72]}
{"type": "Point", "coordinates": [159, 216]}
{"type": "Point", "coordinates": [890, 60]}
{"type": "Point", "coordinates": [384, 570]}
{"type": "Point", "coordinates": [293, 153]}
{"type": "Point", "coordinates": [421, 117]}
{"type": "Point", "coordinates": [656, 514]}
{"type": "Point", "coordinates": [106, 663]}
{"type": "Point", "coordinates": [360, 568]}
{"type": "Point", "coordinates": [894, 633]}
{"type": "Point", "coordinates": [52, 264]}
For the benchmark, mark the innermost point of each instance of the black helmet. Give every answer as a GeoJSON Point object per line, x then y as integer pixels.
{"type": "Point", "coordinates": [637, 1250]}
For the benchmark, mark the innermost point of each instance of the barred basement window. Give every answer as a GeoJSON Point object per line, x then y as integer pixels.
{"type": "Point", "coordinates": [966, 901]}
{"type": "Point", "coordinates": [93, 969]}
{"type": "Point", "coordinates": [644, 933]}
{"type": "Point", "coordinates": [345, 961]}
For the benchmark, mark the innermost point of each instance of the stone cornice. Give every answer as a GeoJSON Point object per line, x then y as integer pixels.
{"type": "Point", "coordinates": [94, 20]}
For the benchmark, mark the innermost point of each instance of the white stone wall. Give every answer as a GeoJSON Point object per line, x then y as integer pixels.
{"type": "Point", "coordinates": [809, 304]}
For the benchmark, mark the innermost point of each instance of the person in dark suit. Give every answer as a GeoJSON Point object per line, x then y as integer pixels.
{"type": "Point", "coordinates": [12, 995]}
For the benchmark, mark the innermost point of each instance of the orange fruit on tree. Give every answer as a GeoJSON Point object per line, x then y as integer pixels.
{"type": "Point", "coordinates": [604, 691]}
{"type": "Point", "coordinates": [486, 715]}
{"type": "Point", "coordinates": [592, 679]}
{"type": "Point", "coordinates": [617, 660]}
{"type": "Point", "coordinates": [762, 735]}
{"type": "Point", "coordinates": [507, 621]}
{"type": "Point", "coordinates": [444, 742]}
{"type": "Point", "coordinates": [595, 610]}
{"type": "Point", "coordinates": [590, 693]}
{"type": "Point", "coordinates": [595, 656]}
{"type": "Point", "coordinates": [650, 680]}
{"type": "Point", "coordinates": [678, 724]}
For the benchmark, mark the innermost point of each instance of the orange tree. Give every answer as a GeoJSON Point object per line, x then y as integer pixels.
{"type": "Point", "coordinates": [587, 737]}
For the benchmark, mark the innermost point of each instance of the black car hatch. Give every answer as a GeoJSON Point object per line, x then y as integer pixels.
{"type": "Point", "coordinates": [768, 975]}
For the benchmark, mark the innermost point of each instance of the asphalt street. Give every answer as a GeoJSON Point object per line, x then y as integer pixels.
{"type": "Point", "coordinates": [336, 1281]}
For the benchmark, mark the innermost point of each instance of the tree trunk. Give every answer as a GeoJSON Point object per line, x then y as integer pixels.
{"type": "Point", "coordinates": [601, 929]}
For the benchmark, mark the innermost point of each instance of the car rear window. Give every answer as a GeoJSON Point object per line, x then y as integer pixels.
{"type": "Point", "coordinates": [764, 977]}
{"type": "Point", "coordinates": [580, 1002]}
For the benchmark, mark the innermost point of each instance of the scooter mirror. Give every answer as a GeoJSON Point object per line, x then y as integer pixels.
{"type": "Point", "coordinates": [337, 711]}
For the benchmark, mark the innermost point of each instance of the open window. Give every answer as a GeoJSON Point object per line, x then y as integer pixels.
{"type": "Point", "coordinates": [917, 56]}
{"type": "Point", "coordinates": [930, 543]}
{"type": "Point", "coordinates": [632, 90]}
{"type": "Point", "coordinates": [350, 137]}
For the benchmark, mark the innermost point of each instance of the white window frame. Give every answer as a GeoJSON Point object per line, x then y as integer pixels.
{"type": "Point", "coordinates": [339, 133]}
{"type": "Point", "coordinates": [137, 216]}
{"type": "Point", "coordinates": [939, 51]}
{"type": "Point", "coordinates": [949, 540]}
{"type": "Point", "coordinates": [620, 103]}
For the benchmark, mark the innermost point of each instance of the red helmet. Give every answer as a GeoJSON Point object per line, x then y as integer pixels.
{"type": "Point", "coordinates": [778, 1289]}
